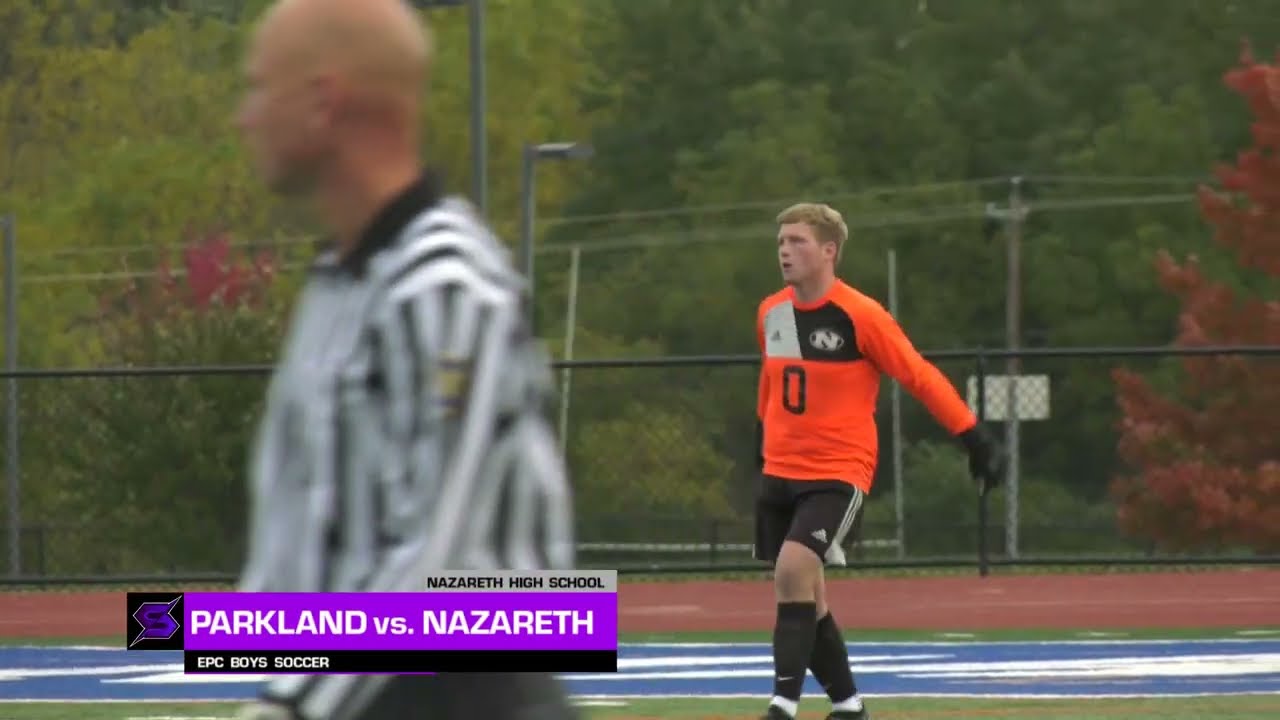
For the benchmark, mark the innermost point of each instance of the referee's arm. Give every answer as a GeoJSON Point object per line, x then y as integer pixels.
{"type": "Point", "coordinates": [444, 352]}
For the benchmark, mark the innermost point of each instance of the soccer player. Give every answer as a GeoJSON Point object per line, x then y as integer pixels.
{"type": "Point", "coordinates": [404, 430]}
{"type": "Point", "coordinates": [825, 346]}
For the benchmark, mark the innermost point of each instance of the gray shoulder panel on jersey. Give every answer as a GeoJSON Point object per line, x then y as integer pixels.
{"type": "Point", "coordinates": [781, 336]}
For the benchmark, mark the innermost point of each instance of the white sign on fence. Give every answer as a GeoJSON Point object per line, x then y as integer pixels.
{"type": "Point", "coordinates": [1030, 396]}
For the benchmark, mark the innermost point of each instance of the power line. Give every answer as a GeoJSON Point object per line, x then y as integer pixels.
{"type": "Point", "coordinates": [1097, 180]}
{"type": "Point", "coordinates": [1102, 202]}
{"type": "Point", "coordinates": [162, 248]}
{"type": "Point", "coordinates": [679, 211]}
{"type": "Point", "coordinates": [878, 221]}
{"type": "Point", "coordinates": [688, 210]}
{"type": "Point", "coordinates": [747, 232]}
{"type": "Point", "coordinates": [971, 211]}
{"type": "Point", "coordinates": [1113, 180]}
{"type": "Point", "coordinates": [127, 275]}
{"type": "Point", "coordinates": [623, 242]}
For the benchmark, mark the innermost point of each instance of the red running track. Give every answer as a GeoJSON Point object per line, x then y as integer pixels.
{"type": "Point", "coordinates": [1235, 598]}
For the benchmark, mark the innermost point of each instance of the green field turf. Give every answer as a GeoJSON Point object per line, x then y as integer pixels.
{"type": "Point", "coordinates": [1263, 707]}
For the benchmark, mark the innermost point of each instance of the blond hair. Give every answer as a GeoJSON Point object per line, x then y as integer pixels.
{"type": "Point", "coordinates": [825, 220]}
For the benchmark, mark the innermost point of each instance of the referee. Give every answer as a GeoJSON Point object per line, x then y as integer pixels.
{"type": "Point", "coordinates": [403, 432]}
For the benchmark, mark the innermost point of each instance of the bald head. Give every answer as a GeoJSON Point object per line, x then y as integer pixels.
{"type": "Point", "coordinates": [371, 50]}
{"type": "Point", "coordinates": [334, 84]}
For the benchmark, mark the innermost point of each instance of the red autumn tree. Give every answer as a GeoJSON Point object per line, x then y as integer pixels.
{"type": "Point", "coordinates": [186, 314]}
{"type": "Point", "coordinates": [1206, 456]}
{"type": "Point", "coordinates": [211, 275]}
{"type": "Point", "coordinates": [154, 465]}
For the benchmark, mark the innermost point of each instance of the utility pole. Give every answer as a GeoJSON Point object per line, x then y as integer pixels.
{"type": "Point", "coordinates": [1013, 217]}
{"type": "Point", "coordinates": [895, 408]}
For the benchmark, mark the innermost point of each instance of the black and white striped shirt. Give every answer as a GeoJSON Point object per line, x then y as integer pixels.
{"type": "Point", "coordinates": [404, 430]}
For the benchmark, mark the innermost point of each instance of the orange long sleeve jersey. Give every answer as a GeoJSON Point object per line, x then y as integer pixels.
{"type": "Point", "coordinates": [820, 379]}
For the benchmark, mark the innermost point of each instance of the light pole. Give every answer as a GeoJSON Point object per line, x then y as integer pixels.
{"type": "Point", "coordinates": [475, 32]}
{"type": "Point", "coordinates": [12, 465]}
{"type": "Point", "coordinates": [532, 154]}
{"type": "Point", "coordinates": [479, 153]}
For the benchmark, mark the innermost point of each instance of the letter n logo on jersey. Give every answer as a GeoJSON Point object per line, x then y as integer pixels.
{"type": "Point", "coordinates": [826, 339]}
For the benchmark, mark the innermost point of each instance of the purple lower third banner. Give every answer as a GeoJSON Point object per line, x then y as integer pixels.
{"type": "Point", "coordinates": [460, 622]}
{"type": "Point", "coordinates": [400, 621]}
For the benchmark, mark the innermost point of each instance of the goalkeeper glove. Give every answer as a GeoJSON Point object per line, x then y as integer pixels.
{"type": "Point", "coordinates": [986, 461]}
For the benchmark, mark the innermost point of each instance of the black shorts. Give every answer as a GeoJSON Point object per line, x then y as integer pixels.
{"type": "Point", "coordinates": [815, 513]}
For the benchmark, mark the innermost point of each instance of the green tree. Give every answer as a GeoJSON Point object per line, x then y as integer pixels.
{"type": "Point", "coordinates": [1085, 237]}
{"type": "Point", "coordinates": [108, 157]}
{"type": "Point", "coordinates": [534, 61]}
{"type": "Point", "coordinates": [163, 161]}
{"type": "Point", "coordinates": [910, 118]}
{"type": "Point", "coordinates": [651, 458]}
{"type": "Point", "coordinates": [143, 474]}
{"type": "Point", "coordinates": [116, 147]}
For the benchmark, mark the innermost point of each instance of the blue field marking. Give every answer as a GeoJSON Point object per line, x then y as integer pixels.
{"type": "Point", "coordinates": [926, 669]}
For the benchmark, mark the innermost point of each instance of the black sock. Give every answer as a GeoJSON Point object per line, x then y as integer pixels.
{"type": "Point", "coordinates": [793, 638]}
{"type": "Point", "coordinates": [830, 661]}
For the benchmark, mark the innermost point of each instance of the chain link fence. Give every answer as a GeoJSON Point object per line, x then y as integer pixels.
{"type": "Point", "coordinates": [140, 471]}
